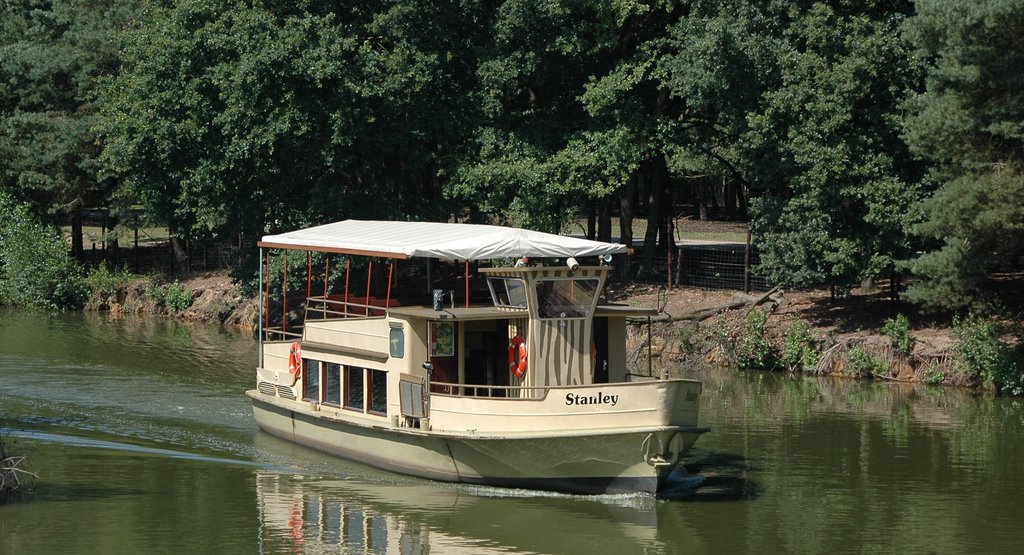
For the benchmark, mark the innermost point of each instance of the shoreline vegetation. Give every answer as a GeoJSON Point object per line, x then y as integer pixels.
{"type": "Point", "coordinates": [867, 336]}
{"type": "Point", "coordinates": [864, 334]}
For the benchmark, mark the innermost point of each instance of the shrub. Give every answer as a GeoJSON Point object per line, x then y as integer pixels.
{"type": "Point", "coordinates": [982, 355]}
{"type": "Point", "coordinates": [933, 376]}
{"type": "Point", "coordinates": [898, 330]}
{"type": "Point", "coordinates": [756, 350]}
{"type": "Point", "coordinates": [177, 298]}
{"type": "Point", "coordinates": [36, 269]}
{"type": "Point", "coordinates": [102, 282]}
{"type": "Point", "coordinates": [687, 336]}
{"type": "Point", "coordinates": [865, 362]}
{"type": "Point", "coordinates": [800, 350]}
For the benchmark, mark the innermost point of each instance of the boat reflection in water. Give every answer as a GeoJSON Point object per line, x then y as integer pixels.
{"type": "Point", "coordinates": [312, 515]}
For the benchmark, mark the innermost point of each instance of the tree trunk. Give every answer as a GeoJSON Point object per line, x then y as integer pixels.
{"type": "Point", "coordinates": [626, 207]}
{"type": "Point", "coordinates": [656, 171]}
{"type": "Point", "coordinates": [604, 221]}
{"type": "Point", "coordinates": [77, 246]}
{"type": "Point", "coordinates": [591, 219]}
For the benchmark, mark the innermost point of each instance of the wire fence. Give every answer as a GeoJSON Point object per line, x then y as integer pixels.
{"type": "Point", "coordinates": [702, 264]}
{"type": "Point", "coordinates": [161, 258]}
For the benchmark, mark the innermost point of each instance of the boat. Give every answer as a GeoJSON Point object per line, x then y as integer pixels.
{"type": "Point", "coordinates": [512, 373]}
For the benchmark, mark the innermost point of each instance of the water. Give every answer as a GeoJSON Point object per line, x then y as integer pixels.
{"type": "Point", "coordinates": [144, 442]}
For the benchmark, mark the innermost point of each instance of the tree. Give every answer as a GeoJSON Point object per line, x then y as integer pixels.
{"type": "Point", "coordinates": [833, 179]}
{"type": "Point", "coordinates": [52, 56]}
{"type": "Point", "coordinates": [968, 125]}
{"type": "Point", "coordinates": [248, 117]}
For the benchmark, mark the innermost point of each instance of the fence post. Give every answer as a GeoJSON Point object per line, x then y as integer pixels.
{"type": "Point", "coordinates": [746, 264]}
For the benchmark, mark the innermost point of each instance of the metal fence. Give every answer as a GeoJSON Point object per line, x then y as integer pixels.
{"type": "Point", "coordinates": [703, 264]}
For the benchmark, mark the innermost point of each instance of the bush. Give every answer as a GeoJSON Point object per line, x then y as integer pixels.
{"type": "Point", "coordinates": [933, 376]}
{"type": "Point", "coordinates": [982, 355]}
{"type": "Point", "coordinates": [177, 298]}
{"type": "Point", "coordinates": [36, 269]}
{"type": "Point", "coordinates": [102, 282]}
{"type": "Point", "coordinates": [898, 330]}
{"type": "Point", "coordinates": [800, 350]}
{"type": "Point", "coordinates": [756, 350]}
{"type": "Point", "coordinates": [863, 362]}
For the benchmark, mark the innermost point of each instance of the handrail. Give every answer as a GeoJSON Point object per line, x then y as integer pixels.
{"type": "Point", "coordinates": [327, 312]}
{"type": "Point", "coordinates": [490, 390]}
{"type": "Point", "coordinates": [283, 335]}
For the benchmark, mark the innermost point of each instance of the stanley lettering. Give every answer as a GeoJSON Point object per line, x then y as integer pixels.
{"type": "Point", "coordinates": [599, 399]}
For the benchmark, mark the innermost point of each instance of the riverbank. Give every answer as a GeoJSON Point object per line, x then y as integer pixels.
{"type": "Point", "coordinates": [865, 335]}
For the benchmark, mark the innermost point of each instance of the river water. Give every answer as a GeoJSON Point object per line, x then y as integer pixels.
{"type": "Point", "coordinates": [144, 443]}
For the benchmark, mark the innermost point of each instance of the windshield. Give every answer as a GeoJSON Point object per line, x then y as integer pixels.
{"type": "Point", "coordinates": [566, 297]}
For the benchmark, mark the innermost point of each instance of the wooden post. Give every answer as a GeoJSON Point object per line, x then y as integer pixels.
{"type": "Point", "coordinates": [136, 244]}
{"type": "Point", "coordinates": [746, 264]}
{"type": "Point", "coordinates": [467, 284]}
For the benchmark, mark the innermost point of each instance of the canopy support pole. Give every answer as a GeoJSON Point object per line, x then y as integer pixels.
{"type": "Point", "coordinates": [348, 272]}
{"type": "Point", "coordinates": [284, 299]}
{"type": "Point", "coordinates": [369, 278]}
{"type": "Point", "coordinates": [259, 320]}
{"type": "Point", "coordinates": [391, 269]}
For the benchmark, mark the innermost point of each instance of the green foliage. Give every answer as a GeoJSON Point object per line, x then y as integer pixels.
{"type": "Point", "coordinates": [983, 355]}
{"type": "Point", "coordinates": [104, 282]}
{"type": "Point", "coordinates": [35, 267]}
{"type": "Point", "coordinates": [898, 331]}
{"type": "Point", "coordinates": [967, 125]}
{"type": "Point", "coordinates": [756, 350]}
{"type": "Point", "coordinates": [864, 362]}
{"type": "Point", "coordinates": [178, 298]}
{"type": "Point", "coordinates": [52, 56]}
{"type": "Point", "coordinates": [836, 181]}
{"type": "Point", "coordinates": [933, 376]}
{"type": "Point", "coordinates": [174, 296]}
{"type": "Point", "coordinates": [687, 336]}
{"type": "Point", "coordinates": [800, 350]}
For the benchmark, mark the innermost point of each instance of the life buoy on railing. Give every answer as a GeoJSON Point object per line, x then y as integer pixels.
{"type": "Point", "coordinates": [517, 356]}
{"type": "Point", "coordinates": [295, 361]}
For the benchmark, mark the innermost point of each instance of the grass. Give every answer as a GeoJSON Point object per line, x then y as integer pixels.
{"type": "Point", "coordinates": [726, 232]}
{"type": "Point", "coordinates": [124, 234]}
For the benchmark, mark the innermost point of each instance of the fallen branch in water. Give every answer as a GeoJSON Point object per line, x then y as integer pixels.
{"type": "Point", "coordinates": [13, 478]}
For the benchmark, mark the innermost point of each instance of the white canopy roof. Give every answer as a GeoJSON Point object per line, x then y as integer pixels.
{"type": "Point", "coordinates": [436, 240]}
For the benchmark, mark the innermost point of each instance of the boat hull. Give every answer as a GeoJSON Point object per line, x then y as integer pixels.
{"type": "Point", "coordinates": [588, 461]}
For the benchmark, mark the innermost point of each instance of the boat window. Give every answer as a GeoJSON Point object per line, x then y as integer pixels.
{"type": "Point", "coordinates": [354, 387]}
{"type": "Point", "coordinates": [311, 380]}
{"type": "Point", "coordinates": [507, 292]}
{"type": "Point", "coordinates": [378, 391]}
{"type": "Point", "coordinates": [332, 385]}
{"type": "Point", "coordinates": [566, 297]}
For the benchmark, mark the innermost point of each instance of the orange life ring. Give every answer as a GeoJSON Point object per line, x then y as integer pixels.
{"type": "Point", "coordinates": [295, 360]}
{"type": "Point", "coordinates": [517, 356]}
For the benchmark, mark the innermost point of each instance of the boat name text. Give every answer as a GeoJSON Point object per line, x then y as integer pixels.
{"type": "Point", "coordinates": [599, 399]}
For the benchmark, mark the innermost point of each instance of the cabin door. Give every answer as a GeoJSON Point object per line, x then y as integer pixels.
{"type": "Point", "coordinates": [487, 354]}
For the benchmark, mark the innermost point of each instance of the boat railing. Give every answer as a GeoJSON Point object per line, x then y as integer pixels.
{"type": "Point", "coordinates": [324, 308]}
{"type": "Point", "coordinates": [282, 334]}
{"type": "Point", "coordinates": [490, 391]}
